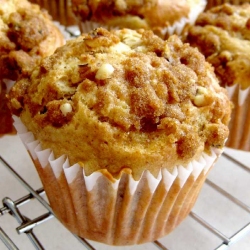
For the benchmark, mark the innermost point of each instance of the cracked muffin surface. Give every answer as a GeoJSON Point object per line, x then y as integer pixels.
{"type": "Point", "coordinates": [27, 34]}
{"type": "Point", "coordinates": [124, 99]}
{"type": "Point", "coordinates": [222, 34]}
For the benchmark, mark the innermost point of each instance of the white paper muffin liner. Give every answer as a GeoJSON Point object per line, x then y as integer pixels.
{"type": "Point", "coordinates": [119, 211]}
{"type": "Point", "coordinates": [239, 126]}
{"type": "Point", "coordinates": [176, 28]}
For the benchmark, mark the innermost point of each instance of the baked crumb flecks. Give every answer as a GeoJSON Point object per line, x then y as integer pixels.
{"type": "Point", "coordinates": [222, 34]}
{"type": "Point", "coordinates": [135, 100]}
{"type": "Point", "coordinates": [27, 34]}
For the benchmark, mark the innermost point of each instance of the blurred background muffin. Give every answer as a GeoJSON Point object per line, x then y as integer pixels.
{"type": "Point", "coordinates": [162, 17]}
{"type": "Point", "coordinates": [27, 35]}
{"type": "Point", "coordinates": [141, 122]}
{"type": "Point", "coordinates": [213, 3]}
{"type": "Point", "coordinates": [222, 34]}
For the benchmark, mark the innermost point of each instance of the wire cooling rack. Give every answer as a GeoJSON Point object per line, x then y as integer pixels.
{"type": "Point", "coordinates": [219, 220]}
{"type": "Point", "coordinates": [27, 226]}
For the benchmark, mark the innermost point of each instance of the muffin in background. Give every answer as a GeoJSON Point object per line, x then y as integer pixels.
{"type": "Point", "coordinates": [123, 128]}
{"type": "Point", "coordinates": [27, 34]}
{"type": "Point", "coordinates": [213, 3]}
{"type": "Point", "coordinates": [164, 18]}
{"type": "Point", "coordinates": [222, 34]}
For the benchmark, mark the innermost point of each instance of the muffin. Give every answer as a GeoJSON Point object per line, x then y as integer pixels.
{"type": "Point", "coordinates": [222, 34]}
{"type": "Point", "coordinates": [213, 3]}
{"type": "Point", "coordinates": [27, 35]}
{"type": "Point", "coordinates": [163, 17]}
{"type": "Point", "coordinates": [123, 128]}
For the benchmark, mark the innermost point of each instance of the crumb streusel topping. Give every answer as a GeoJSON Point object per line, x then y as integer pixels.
{"type": "Point", "coordinates": [124, 99]}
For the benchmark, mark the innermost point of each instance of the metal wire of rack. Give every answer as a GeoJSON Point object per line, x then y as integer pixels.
{"type": "Point", "coordinates": [27, 225]}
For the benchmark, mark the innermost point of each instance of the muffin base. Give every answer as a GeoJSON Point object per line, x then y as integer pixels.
{"type": "Point", "coordinates": [118, 211]}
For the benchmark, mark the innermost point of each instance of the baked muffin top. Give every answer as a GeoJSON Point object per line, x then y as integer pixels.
{"type": "Point", "coordinates": [124, 99]}
{"type": "Point", "coordinates": [26, 35]}
{"type": "Point", "coordinates": [222, 34]}
{"type": "Point", "coordinates": [147, 14]}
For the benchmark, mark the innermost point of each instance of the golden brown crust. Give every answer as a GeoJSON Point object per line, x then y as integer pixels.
{"type": "Point", "coordinates": [124, 99]}
{"type": "Point", "coordinates": [222, 34]}
{"type": "Point", "coordinates": [147, 14]}
{"type": "Point", "coordinates": [27, 34]}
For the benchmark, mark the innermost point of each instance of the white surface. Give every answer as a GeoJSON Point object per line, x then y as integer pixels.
{"type": "Point", "coordinates": [215, 208]}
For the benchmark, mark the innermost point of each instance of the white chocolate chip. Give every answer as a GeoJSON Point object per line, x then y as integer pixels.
{"type": "Point", "coordinates": [202, 90]}
{"type": "Point", "coordinates": [132, 39]}
{"type": "Point", "coordinates": [201, 96]}
{"type": "Point", "coordinates": [66, 108]}
{"type": "Point", "coordinates": [199, 100]}
{"type": "Point", "coordinates": [105, 71]}
{"type": "Point", "coordinates": [120, 48]}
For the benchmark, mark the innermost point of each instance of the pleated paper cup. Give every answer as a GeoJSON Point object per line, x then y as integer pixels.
{"type": "Point", "coordinates": [60, 10]}
{"type": "Point", "coordinates": [239, 126]}
{"type": "Point", "coordinates": [119, 211]}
